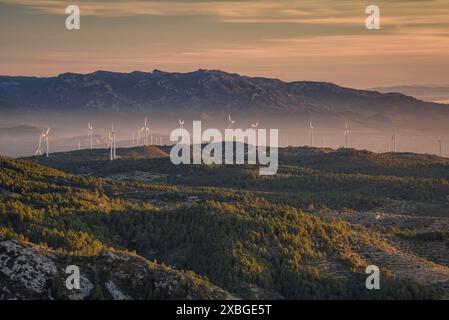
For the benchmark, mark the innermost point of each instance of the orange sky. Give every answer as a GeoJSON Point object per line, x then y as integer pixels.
{"type": "Point", "coordinates": [323, 40]}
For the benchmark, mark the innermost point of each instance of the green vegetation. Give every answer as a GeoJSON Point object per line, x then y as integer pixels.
{"type": "Point", "coordinates": [223, 223]}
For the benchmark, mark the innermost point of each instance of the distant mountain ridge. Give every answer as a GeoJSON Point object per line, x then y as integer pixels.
{"type": "Point", "coordinates": [208, 91]}
{"type": "Point", "coordinates": [429, 93]}
{"type": "Point", "coordinates": [19, 130]}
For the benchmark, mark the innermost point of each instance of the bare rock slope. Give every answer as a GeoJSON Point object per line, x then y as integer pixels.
{"type": "Point", "coordinates": [29, 271]}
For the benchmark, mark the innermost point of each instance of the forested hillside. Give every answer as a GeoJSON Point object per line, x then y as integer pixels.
{"type": "Point", "coordinates": [308, 232]}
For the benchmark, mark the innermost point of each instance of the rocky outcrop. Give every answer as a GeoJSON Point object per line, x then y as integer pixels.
{"type": "Point", "coordinates": [29, 271]}
{"type": "Point", "coordinates": [25, 267]}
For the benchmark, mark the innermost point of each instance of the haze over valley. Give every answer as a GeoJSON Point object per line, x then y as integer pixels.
{"type": "Point", "coordinates": [66, 104]}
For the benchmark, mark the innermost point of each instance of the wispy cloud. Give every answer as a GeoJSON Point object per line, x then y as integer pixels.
{"type": "Point", "coordinates": [255, 11]}
{"type": "Point", "coordinates": [308, 39]}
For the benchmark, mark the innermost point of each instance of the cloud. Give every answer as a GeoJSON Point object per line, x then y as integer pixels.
{"type": "Point", "coordinates": [314, 39]}
{"type": "Point", "coordinates": [250, 11]}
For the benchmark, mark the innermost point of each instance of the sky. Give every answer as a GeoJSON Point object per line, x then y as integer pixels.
{"type": "Point", "coordinates": [319, 40]}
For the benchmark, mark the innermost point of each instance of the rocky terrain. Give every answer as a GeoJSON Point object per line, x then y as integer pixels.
{"type": "Point", "coordinates": [29, 271]}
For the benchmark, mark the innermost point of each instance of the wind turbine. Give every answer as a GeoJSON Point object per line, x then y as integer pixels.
{"type": "Point", "coordinates": [45, 135]}
{"type": "Point", "coordinates": [112, 143]}
{"type": "Point", "coordinates": [90, 129]}
{"type": "Point", "coordinates": [181, 126]}
{"type": "Point", "coordinates": [255, 125]}
{"type": "Point", "coordinates": [231, 122]}
{"type": "Point", "coordinates": [114, 138]}
{"type": "Point", "coordinates": [38, 151]}
{"type": "Point", "coordinates": [145, 130]}
{"type": "Point", "coordinates": [347, 132]}
{"type": "Point", "coordinates": [255, 128]}
{"type": "Point", "coordinates": [311, 134]}
{"type": "Point", "coordinates": [440, 146]}
{"type": "Point", "coordinates": [393, 139]}
{"type": "Point", "coordinates": [139, 138]}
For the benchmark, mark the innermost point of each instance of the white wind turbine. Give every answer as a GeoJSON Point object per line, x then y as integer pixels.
{"type": "Point", "coordinates": [231, 122]}
{"type": "Point", "coordinates": [145, 130]}
{"type": "Point", "coordinates": [255, 127]}
{"type": "Point", "coordinates": [347, 132]}
{"type": "Point", "coordinates": [311, 134]}
{"type": "Point", "coordinates": [114, 138]}
{"type": "Point", "coordinates": [112, 143]}
{"type": "Point", "coordinates": [46, 135]}
{"type": "Point", "coordinates": [90, 129]}
{"type": "Point", "coordinates": [38, 151]}
{"type": "Point", "coordinates": [393, 140]}
{"type": "Point", "coordinates": [138, 138]}
{"type": "Point", "coordinates": [181, 126]}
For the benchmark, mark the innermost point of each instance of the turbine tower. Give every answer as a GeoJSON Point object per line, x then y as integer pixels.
{"type": "Point", "coordinates": [45, 135]}
{"type": "Point", "coordinates": [38, 151]}
{"type": "Point", "coordinates": [145, 130]}
{"type": "Point", "coordinates": [311, 134]}
{"type": "Point", "coordinates": [440, 149]}
{"type": "Point", "coordinates": [112, 143]}
{"type": "Point", "coordinates": [138, 138]}
{"type": "Point", "coordinates": [181, 126]}
{"type": "Point", "coordinates": [231, 122]}
{"type": "Point", "coordinates": [90, 129]}
{"type": "Point", "coordinates": [347, 132]}
{"type": "Point", "coordinates": [114, 138]}
{"type": "Point", "coordinates": [255, 126]}
{"type": "Point", "coordinates": [393, 140]}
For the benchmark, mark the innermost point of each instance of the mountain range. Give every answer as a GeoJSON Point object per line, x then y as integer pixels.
{"type": "Point", "coordinates": [213, 92]}
{"type": "Point", "coordinates": [429, 93]}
